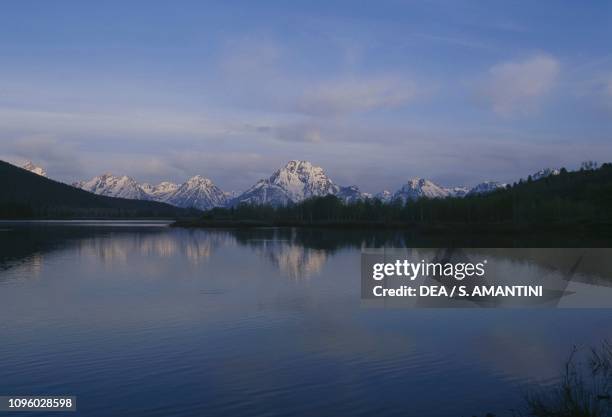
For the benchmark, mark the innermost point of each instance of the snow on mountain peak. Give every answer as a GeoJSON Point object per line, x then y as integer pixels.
{"type": "Point", "coordinates": [385, 196]}
{"type": "Point", "coordinates": [417, 188]}
{"type": "Point", "coordinates": [543, 173]}
{"type": "Point", "coordinates": [160, 192]}
{"type": "Point", "coordinates": [199, 180]}
{"type": "Point", "coordinates": [301, 179]}
{"type": "Point", "coordinates": [486, 187]}
{"type": "Point", "coordinates": [295, 182]}
{"type": "Point", "coordinates": [114, 186]}
{"type": "Point", "coordinates": [29, 166]}
{"type": "Point", "coordinates": [197, 191]}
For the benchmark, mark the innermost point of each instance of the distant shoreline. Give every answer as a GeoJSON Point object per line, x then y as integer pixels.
{"type": "Point", "coordinates": [520, 228]}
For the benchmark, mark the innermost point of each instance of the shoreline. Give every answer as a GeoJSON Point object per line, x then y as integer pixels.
{"type": "Point", "coordinates": [520, 228]}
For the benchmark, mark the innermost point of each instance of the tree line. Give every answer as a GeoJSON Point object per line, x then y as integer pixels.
{"type": "Point", "coordinates": [578, 196]}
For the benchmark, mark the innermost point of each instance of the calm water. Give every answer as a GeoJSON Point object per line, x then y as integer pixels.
{"type": "Point", "coordinates": [141, 319]}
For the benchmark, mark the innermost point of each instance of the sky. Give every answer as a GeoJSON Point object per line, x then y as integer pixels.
{"type": "Point", "coordinates": [375, 92]}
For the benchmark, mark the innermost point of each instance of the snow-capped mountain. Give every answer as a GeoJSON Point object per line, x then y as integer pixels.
{"type": "Point", "coordinates": [486, 187]}
{"type": "Point", "coordinates": [198, 192]}
{"type": "Point", "coordinates": [160, 192]}
{"type": "Point", "coordinates": [29, 166]}
{"type": "Point", "coordinates": [114, 186]}
{"type": "Point", "coordinates": [418, 188]}
{"type": "Point", "coordinates": [457, 191]}
{"type": "Point", "coordinates": [263, 192]}
{"type": "Point", "coordinates": [295, 182]}
{"type": "Point", "coordinates": [231, 194]}
{"type": "Point", "coordinates": [352, 194]}
{"type": "Point", "coordinates": [385, 196]}
{"type": "Point", "coordinates": [543, 173]}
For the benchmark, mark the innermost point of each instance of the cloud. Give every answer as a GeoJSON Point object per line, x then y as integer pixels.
{"type": "Point", "coordinates": [352, 95]}
{"type": "Point", "coordinates": [299, 132]}
{"type": "Point", "coordinates": [261, 74]}
{"type": "Point", "coordinates": [517, 86]}
{"type": "Point", "coordinates": [60, 159]}
{"type": "Point", "coordinates": [119, 122]}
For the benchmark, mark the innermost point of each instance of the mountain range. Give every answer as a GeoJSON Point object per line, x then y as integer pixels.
{"type": "Point", "coordinates": [197, 192]}
{"type": "Point", "coordinates": [292, 183]}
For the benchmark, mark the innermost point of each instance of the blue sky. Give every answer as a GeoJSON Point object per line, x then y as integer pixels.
{"type": "Point", "coordinates": [375, 92]}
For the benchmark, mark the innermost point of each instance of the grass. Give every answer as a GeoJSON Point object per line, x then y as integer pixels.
{"type": "Point", "coordinates": [584, 389]}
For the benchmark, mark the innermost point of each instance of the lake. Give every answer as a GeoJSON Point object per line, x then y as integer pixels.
{"type": "Point", "coordinates": [141, 319]}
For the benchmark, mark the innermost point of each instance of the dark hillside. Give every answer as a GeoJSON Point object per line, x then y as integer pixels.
{"type": "Point", "coordinates": [27, 195]}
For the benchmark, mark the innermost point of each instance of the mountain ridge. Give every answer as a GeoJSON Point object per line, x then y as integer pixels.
{"type": "Point", "coordinates": [294, 182]}
{"type": "Point", "coordinates": [197, 192]}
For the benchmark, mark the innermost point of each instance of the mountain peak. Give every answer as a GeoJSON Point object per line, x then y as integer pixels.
{"type": "Point", "coordinates": [304, 171]}
{"type": "Point", "coordinates": [114, 186]}
{"type": "Point", "coordinates": [416, 181]}
{"type": "Point", "coordinates": [296, 181]}
{"type": "Point", "coordinates": [416, 188]}
{"type": "Point", "coordinates": [295, 165]}
{"type": "Point", "coordinates": [199, 192]}
{"type": "Point", "coordinates": [35, 169]}
{"type": "Point", "coordinates": [301, 180]}
{"type": "Point", "coordinates": [543, 173]}
{"type": "Point", "coordinates": [385, 196]}
{"type": "Point", "coordinates": [486, 187]}
{"type": "Point", "coordinates": [200, 180]}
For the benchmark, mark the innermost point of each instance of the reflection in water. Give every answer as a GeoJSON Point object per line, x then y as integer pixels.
{"type": "Point", "coordinates": [297, 253]}
{"type": "Point", "coordinates": [123, 316]}
{"type": "Point", "coordinates": [293, 260]}
{"type": "Point", "coordinates": [28, 268]}
{"type": "Point", "coordinates": [195, 246]}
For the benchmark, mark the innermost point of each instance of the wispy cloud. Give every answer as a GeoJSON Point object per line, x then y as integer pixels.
{"type": "Point", "coordinates": [59, 158]}
{"type": "Point", "coordinates": [298, 132]}
{"type": "Point", "coordinates": [260, 73]}
{"type": "Point", "coordinates": [517, 86]}
{"type": "Point", "coordinates": [351, 95]}
{"type": "Point", "coordinates": [455, 40]}
{"type": "Point", "coordinates": [128, 121]}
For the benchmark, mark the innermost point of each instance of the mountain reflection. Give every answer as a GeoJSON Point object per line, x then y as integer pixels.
{"type": "Point", "coordinates": [296, 253]}
{"type": "Point", "coordinates": [195, 246]}
{"type": "Point", "coordinates": [294, 261]}
{"type": "Point", "coordinates": [290, 256]}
